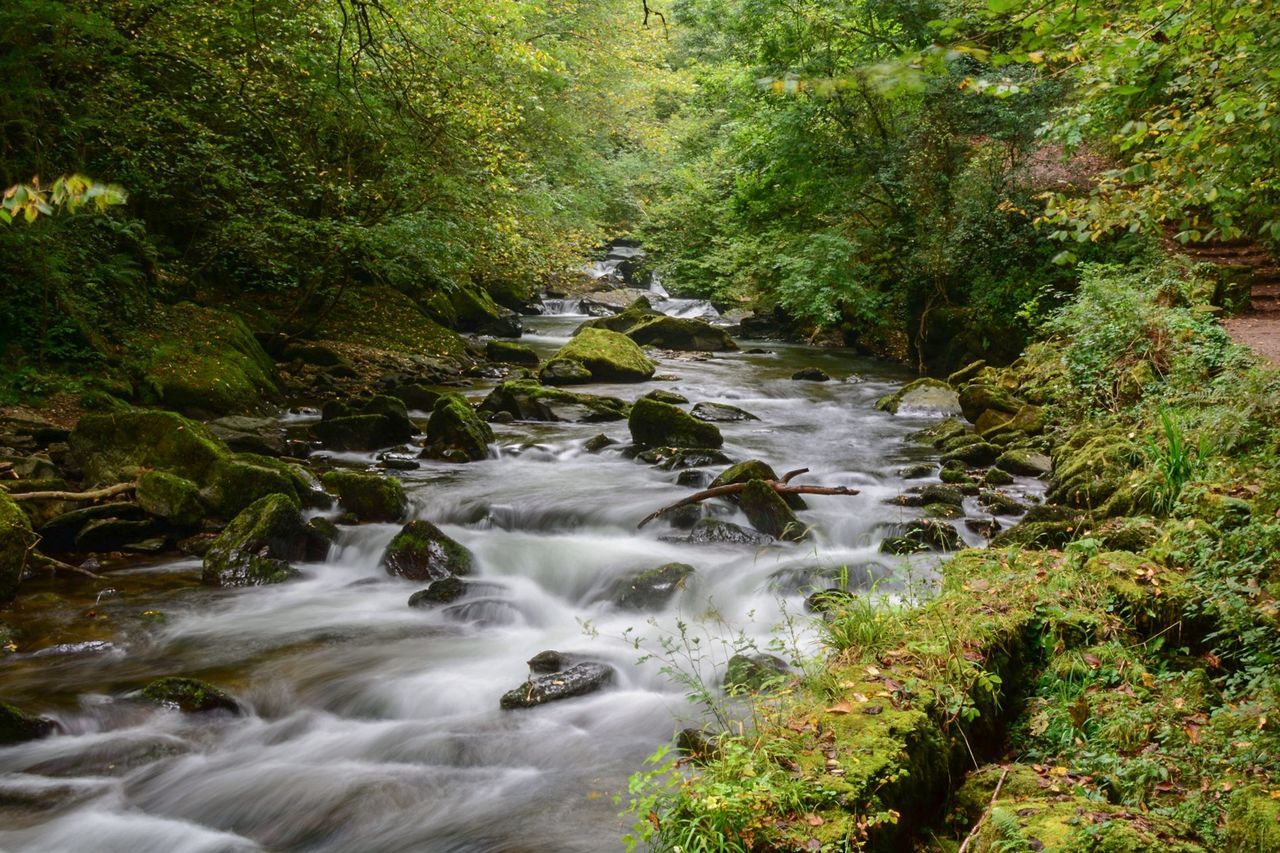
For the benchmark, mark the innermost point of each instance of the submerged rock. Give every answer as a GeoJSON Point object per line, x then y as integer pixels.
{"type": "Point", "coordinates": [721, 413]}
{"type": "Point", "coordinates": [754, 672]}
{"type": "Point", "coordinates": [549, 661]}
{"type": "Point", "coordinates": [608, 356]}
{"type": "Point", "coordinates": [421, 551]}
{"type": "Point", "coordinates": [811, 374]}
{"type": "Point", "coordinates": [370, 497]}
{"type": "Point", "coordinates": [577, 680]}
{"type": "Point", "coordinates": [190, 695]}
{"type": "Point", "coordinates": [682, 458]}
{"type": "Point", "coordinates": [258, 545]}
{"type": "Point", "coordinates": [651, 589]}
{"type": "Point", "coordinates": [456, 433]}
{"type": "Point", "coordinates": [443, 591]}
{"type": "Point", "coordinates": [655, 424]}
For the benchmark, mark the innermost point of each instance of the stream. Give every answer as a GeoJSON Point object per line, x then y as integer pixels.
{"type": "Point", "coordinates": [372, 726]}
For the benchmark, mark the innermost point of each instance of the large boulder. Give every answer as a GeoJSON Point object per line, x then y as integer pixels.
{"type": "Point", "coordinates": [649, 328]}
{"type": "Point", "coordinates": [564, 371]}
{"type": "Point", "coordinates": [119, 446]}
{"type": "Point", "coordinates": [371, 497]}
{"type": "Point", "coordinates": [978, 397]}
{"type": "Point", "coordinates": [577, 680]}
{"type": "Point", "coordinates": [236, 481]}
{"type": "Point", "coordinates": [926, 396]}
{"type": "Point", "coordinates": [251, 435]}
{"type": "Point", "coordinates": [258, 545]}
{"type": "Point", "coordinates": [526, 400]}
{"type": "Point", "coordinates": [753, 469]}
{"type": "Point", "coordinates": [652, 588]}
{"type": "Point", "coordinates": [16, 539]}
{"type": "Point", "coordinates": [655, 424]}
{"type": "Point", "coordinates": [769, 513]}
{"type": "Point", "coordinates": [173, 498]}
{"type": "Point", "coordinates": [609, 356]}
{"type": "Point", "coordinates": [471, 309]}
{"type": "Point", "coordinates": [456, 433]}
{"type": "Point", "coordinates": [422, 552]}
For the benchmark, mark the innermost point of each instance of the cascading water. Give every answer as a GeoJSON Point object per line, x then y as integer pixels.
{"type": "Point", "coordinates": [372, 726]}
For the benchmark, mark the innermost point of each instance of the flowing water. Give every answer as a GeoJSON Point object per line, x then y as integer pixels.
{"type": "Point", "coordinates": [375, 727]}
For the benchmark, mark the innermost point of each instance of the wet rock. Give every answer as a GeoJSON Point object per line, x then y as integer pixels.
{"type": "Point", "coordinates": [607, 356]}
{"type": "Point", "coordinates": [172, 498]}
{"type": "Point", "coordinates": [237, 481]}
{"type": "Point", "coordinates": [371, 497]}
{"type": "Point", "coordinates": [578, 680]}
{"type": "Point", "coordinates": [680, 458]}
{"type": "Point", "coordinates": [753, 469]}
{"type": "Point", "coordinates": [663, 396]}
{"type": "Point", "coordinates": [443, 591]}
{"type": "Point", "coordinates": [646, 327]}
{"type": "Point", "coordinates": [698, 744]}
{"type": "Point", "coordinates": [422, 552]}
{"type": "Point", "coordinates": [754, 673]}
{"type": "Point", "coordinates": [456, 433]}
{"type": "Point", "coordinates": [258, 545]}
{"type": "Point", "coordinates": [155, 545]}
{"type": "Point", "coordinates": [321, 534]}
{"type": "Point", "coordinates": [931, 397]}
{"type": "Point", "coordinates": [651, 589]}
{"type": "Point", "coordinates": [978, 397]}
{"type": "Point", "coordinates": [811, 374]}
{"type": "Point", "coordinates": [1025, 462]}
{"type": "Point", "coordinates": [415, 396]}
{"type": "Point", "coordinates": [120, 446]}
{"type": "Point", "coordinates": [17, 726]}
{"type": "Point", "coordinates": [996, 477]}
{"type": "Point", "coordinates": [940, 433]}
{"type": "Point", "coordinates": [360, 433]}
{"type": "Point", "coordinates": [769, 513]}
{"type": "Point", "coordinates": [391, 462]}
{"type": "Point", "coordinates": [16, 539]}
{"type": "Point", "coordinates": [948, 511]}
{"type": "Point", "coordinates": [713, 531]}
{"type": "Point", "coordinates": [508, 352]}
{"type": "Point", "coordinates": [917, 471]}
{"type": "Point", "coordinates": [549, 661]}
{"type": "Point", "coordinates": [922, 534]}
{"type": "Point", "coordinates": [693, 479]}
{"type": "Point", "coordinates": [190, 695]}
{"type": "Point", "coordinates": [394, 410]}
{"type": "Point", "coordinates": [987, 527]}
{"type": "Point", "coordinates": [528, 401]}
{"type": "Point", "coordinates": [999, 503]}
{"type": "Point", "coordinates": [597, 443]}
{"type": "Point", "coordinates": [110, 534]}
{"type": "Point", "coordinates": [975, 453]}
{"type": "Point", "coordinates": [655, 424]}
{"type": "Point", "coordinates": [563, 371]}
{"type": "Point", "coordinates": [250, 435]}
{"type": "Point", "coordinates": [684, 518]}
{"type": "Point", "coordinates": [721, 413]}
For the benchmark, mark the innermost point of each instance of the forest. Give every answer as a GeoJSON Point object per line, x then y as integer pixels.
{"type": "Point", "coordinates": [931, 344]}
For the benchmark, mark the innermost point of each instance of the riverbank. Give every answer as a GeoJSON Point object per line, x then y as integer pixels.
{"type": "Point", "coordinates": [1103, 677]}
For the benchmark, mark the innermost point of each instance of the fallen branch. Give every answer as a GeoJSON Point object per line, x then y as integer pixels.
{"type": "Point", "coordinates": [977, 826]}
{"type": "Point", "coordinates": [781, 486]}
{"type": "Point", "coordinates": [95, 495]}
{"type": "Point", "coordinates": [43, 561]}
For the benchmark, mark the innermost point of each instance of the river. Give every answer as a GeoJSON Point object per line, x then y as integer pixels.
{"type": "Point", "coordinates": [376, 727]}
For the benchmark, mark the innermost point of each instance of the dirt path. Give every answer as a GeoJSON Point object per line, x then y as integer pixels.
{"type": "Point", "coordinates": [1258, 326]}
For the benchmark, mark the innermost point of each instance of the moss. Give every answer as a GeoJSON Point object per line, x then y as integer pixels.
{"type": "Point", "coordinates": [508, 352]}
{"type": "Point", "coordinates": [608, 356]}
{"type": "Point", "coordinates": [527, 400]}
{"type": "Point", "coordinates": [16, 540]}
{"type": "Point", "coordinates": [258, 544]}
{"type": "Point", "coordinates": [1253, 821]}
{"type": "Point", "coordinates": [456, 433]}
{"type": "Point", "coordinates": [383, 318]}
{"type": "Point", "coordinates": [370, 496]}
{"type": "Point", "coordinates": [978, 397]}
{"type": "Point", "coordinates": [421, 551]}
{"type": "Point", "coordinates": [769, 513]}
{"type": "Point", "coordinates": [753, 469]}
{"type": "Point", "coordinates": [116, 447]}
{"type": "Point", "coordinates": [234, 484]}
{"type": "Point", "coordinates": [651, 588]}
{"type": "Point", "coordinates": [941, 432]}
{"type": "Point", "coordinates": [926, 395]}
{"type": "Point", "coordinates": [973, 453]}
{"type": "Point", "coordinates": [173, 498]}
{"type": "Point", "coordinates": [655, 424]}
{"type": "Point", "coordinates": [1091, 467]}
{"type": "Point", "coordinates": [17, 726]}
{"type": "Point", "coordinates": [203, 360]}
{"type": "Point", "coordinates": [189, 695]}
{"type": "Point", "coordinates": [642, 324]}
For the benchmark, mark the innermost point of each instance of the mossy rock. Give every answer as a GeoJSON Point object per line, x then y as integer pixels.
{"type": "Point", "coordinates": [655, 424]}
{"type": "Point", "coordinates": [362, 432]}
{"type": "Point", "coordinates": [370, 497]}
{"type": "Point", "coordinates": [664, 396]}
{"type": "Point", "coordinates": [235, 483]}
{"type": "Point", "coordinates": [119, 446]}
{"type": "Point", "coordinates": [258, 544]}
{"type": "Point", "coordinates": [472, 309]}
{"type": "Point", "coordinates": [421, 552]}
{"type": "Point", "coordinates": [508, 352]}
{"type": "Point", "coordinates": [609, 356]}
{"type": "Point", "coordinates": [652, 588]}
{"type": "Point", "coordinates": [1127, 534]}
{"type": "Point", "coordinates": [925, 396]}
{"type": "Point", "coordinates": [564, 371]}
{"type": "Point", "coordinates": [190, 695]}
{"type": "Point", "coordinates": [769, 513]}
{"type": "Point", "coordinates": [753, 469]}
{"type": "Point", "coordinates": [1037, 534]}
{"type": "Point", "coordinates": [456, 433]}
{"type": "Point", "coordinates": [1089, 468]}
{"type": "Point", "coordinates": [205, 361]}
{"type": "Point", "coordinates": [1027, 463]}
{"type": "Point", "coordinates": [940, 432]}
{"type": "Point", "coordinates": [529, 401]}
{"type": "Point", "coordinates": [16, 540]}
{"type": "Point", "coordinates": [990, 422]}
{"type": "Point", "coordinates": [752, 673]}
{"type": "Point", "coordinates": [17, 726]}
{"type": "Point", "coordinates": [966, 374]}
{"type": "Point", "coordinates": [642, 324]}
{"type": "Point", "coordinates": [394, 410]}
{"type": "Point", "coordinates": [975, 454]}
{"type": "Point", "coordinates": [173, 498]}
{"type": "Point", "coordinates": [978, 397]}
{"type": "Point", "coordinates": [443, 591]}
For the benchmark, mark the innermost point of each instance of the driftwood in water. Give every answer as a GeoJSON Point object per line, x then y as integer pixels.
{"type": "Point", "coordinates": [782, 486]}
{"type": "Point", "coordinates": [95, 495]}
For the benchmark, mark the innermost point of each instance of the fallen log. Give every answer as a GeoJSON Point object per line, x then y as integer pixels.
{"type": "Point", "coordinates": [95, 495]}
{"type": "Point", "coordinates": [782, 486]}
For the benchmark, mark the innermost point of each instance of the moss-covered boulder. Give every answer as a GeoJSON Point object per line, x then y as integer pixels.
{"type": "Point", "coordinates": [755, 672]}
{"type": "Point", "coordinates": [978, 397]}
{"type": "Point", "coordinates": [508, 352]}
{"type": "Point", "coordinates": [379, 319]}
{"type": "Point", "coordinates": [443, 591]}
{"type": "Point", "coordinates": [204, 361]}
{"type": "Point", "coordinates": [564, 371]}
{"type": "Point", "coordinates": [471, 309]}
{"type": "Point", "coordinates": [655, 424]}
{"type": "Point", "coordinates": [118, 446]}
{"type": "Point", "coordinates": [1027, 463]}
{"type": "Point", "coordinates": [173, 498]}
{"type": "Point", "coordinates": [370, 497]}
{"type": "Point", "coordinates": [662, 395]}
{"type": "Point", "coordinates": [1090, 467]}
{"type": "Point", "coordinates": [608, 356]}
{"type": "Point", "coordinates": [394, 410]}
{"type": "Point", "coordinates": [973, 453]}
{"type": "Point", "coordinates": [721, 413]}
{"type": "Point", "coordinates": [931, 397]}
{"type": "Point", "coordinates": [456, 433]}
{"type": "Point", "coordinates": [258, 545]}
{"type": "Point", "coordinates": [753, 469]}
{"type": "Point", "coordinates": [652, 588]}
{"type": "Point", "coordinates": [526, 400]}
{"type": "Point", "coordinates": [190, 695]}
{"type": "Point", "coordinates": [237, 481]}
{"type": "Point", "coordinates": [17, 726]}
{"type": "Point", "coordinates": [647, 327]}
{"type": "Point", "coordinates": [422, 552]}
{"type": "Point", "coordinates": [769, 513]}
{"type": "Point", "coordinates": [16, 540]}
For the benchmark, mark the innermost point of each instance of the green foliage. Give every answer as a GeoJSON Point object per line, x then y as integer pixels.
{"type": "Point", "coordinates": [69, 192]}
